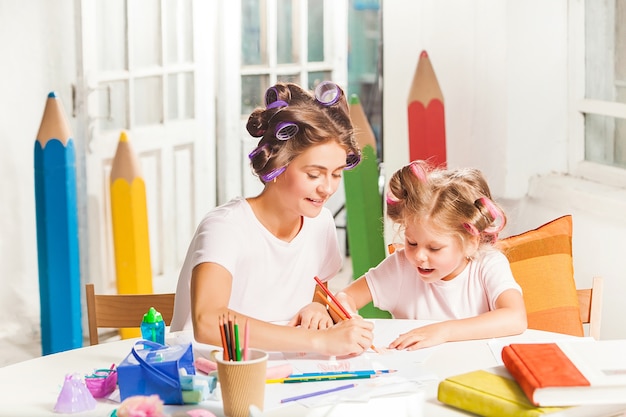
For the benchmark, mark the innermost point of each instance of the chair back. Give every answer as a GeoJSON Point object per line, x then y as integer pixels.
{"type": "Point", "coordinates": [123, 310]}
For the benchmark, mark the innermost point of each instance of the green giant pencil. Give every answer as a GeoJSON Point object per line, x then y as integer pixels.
{"type": "Point", "coordinates": [364, 207]}
{"type": "Point", "coordinates": [57, 231]}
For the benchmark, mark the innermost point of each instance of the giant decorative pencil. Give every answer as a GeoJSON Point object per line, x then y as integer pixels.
{"type": "Point", "coordinates": [130, 226]}
{"type": "Point", "coordinates": [362, 129]}
{"type": "Point", "coordinates": [427, 130]}
{"type": "Point", "coordinates": [364, 206]}
{"type": "Point", "coordinates": [57, 231]}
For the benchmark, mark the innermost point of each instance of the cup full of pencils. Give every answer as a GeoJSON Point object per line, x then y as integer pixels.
{"type": "Point", "coordinates": [242, 383]}
{"type": "Point", "coordinates": [241, 371]}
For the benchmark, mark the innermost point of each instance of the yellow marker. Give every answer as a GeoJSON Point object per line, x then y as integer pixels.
{"type": "Point", "coordinates": [129, 213]}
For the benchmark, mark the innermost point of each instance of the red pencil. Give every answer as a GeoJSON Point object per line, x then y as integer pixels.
{"type": "Point", "coordinates": [338, 304]}
{"type": "Point", "coordinates": [223, 334]}
{"type": "Point", "coordinates": [332, 297]}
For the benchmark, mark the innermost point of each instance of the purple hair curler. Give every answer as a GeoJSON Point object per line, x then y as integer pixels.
{"type": "Point", "coordinates": [327, 93]}
{"type": "Point", "coordinates": [286, 130]}
{"type": "Point", "coordinates": [273, 174]}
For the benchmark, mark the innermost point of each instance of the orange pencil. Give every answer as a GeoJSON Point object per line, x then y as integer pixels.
{"type": "Point", "coordinates": [332, 297]}
{"type": "Point", "coordinates": [226, 355]}
{"type": "Point", "coordinates": [331, 305]}
{"type": "Point", "coordinates": [224, 345]}
{"type": "Point", "coordinates": [330, 294]}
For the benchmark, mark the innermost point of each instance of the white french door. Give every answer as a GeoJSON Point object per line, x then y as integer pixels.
{"type": "Point", "coordinates": [144, 69]}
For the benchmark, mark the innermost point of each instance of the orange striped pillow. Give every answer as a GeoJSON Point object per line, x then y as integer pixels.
{"type": "Point", "coordinates": [542, 264]}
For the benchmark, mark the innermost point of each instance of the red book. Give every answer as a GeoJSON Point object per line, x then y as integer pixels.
{"type": "Point", "coordinates": [569, 373]}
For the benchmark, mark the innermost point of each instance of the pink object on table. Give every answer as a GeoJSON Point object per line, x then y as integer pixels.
{"type": "Point", "coordinates": [74, 396]}
{"type": "Point", "coordinates": [102, 382]}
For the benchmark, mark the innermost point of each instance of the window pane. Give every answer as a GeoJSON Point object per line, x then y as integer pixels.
{"type": "Point", "coordinates": [180, 96]}
{"type": "Point", "coordinates": [112, 108]}
{"type": "Point", "coordinates": [317, 77]}
{"type": "Point", "coordinates": [605, 49]}
{"type": "Point", "coordinates": [289, 78]}
{"type": "Point", "coordinates": [287, 37]}
{"type": "Point", "coordinates": [148, 101]}
{"type": "Point", "coordinates": [111, 48]}
{"type": "Point", "coordinates": [605, 140]}
{"type": "Point", "coordinates": [253, 32]}
{"type": "Point", "coordinates": [145, 28]}
{"type": "Point", "coordinates": [252, 92]}
{"type": "Point", "coordinates": [178, 31]}
{"type": "Point", "coordinates": [316, 31]}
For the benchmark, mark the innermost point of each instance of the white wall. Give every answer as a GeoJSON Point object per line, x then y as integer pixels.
{"type": "Point", "coordinates": [502, 66]}
{"type": "Point", "coordinates": [37, 50]}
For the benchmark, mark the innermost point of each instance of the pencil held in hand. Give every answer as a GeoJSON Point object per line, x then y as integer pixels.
{"type": "Point", "coordinates": [344, 315]}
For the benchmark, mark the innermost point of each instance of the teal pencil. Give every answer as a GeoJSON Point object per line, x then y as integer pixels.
{"type": "Point", "coordinates": [290, 380]}
{"type": "Point", "coordinates": [362, 372]}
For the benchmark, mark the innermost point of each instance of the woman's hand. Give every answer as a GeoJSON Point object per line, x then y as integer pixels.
{"type": "Point", "coordinates": [348, 337]}
{"type": "Point", "coordinates": [312, 316]}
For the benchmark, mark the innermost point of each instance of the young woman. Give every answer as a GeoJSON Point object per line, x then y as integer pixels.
{"type": "Point", "coordinates": [256, 258]}
{"type": "Point", "coordinates": [448, 269]}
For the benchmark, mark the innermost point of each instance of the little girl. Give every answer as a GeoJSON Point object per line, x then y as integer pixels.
{"type": "Point", "coordinates": [448, 269]}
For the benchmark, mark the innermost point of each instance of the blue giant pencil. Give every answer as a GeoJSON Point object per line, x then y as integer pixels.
{"type": "Point", "coordinates": [57, 231]}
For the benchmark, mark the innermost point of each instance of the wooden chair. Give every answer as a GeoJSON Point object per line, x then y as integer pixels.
{"type": "Point", "coordinates": [590, 302]}
{"type": "Point", "coordinates": [123, 310]}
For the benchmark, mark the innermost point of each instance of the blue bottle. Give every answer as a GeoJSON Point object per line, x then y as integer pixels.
{"type": "Point", "coordinates": [153, 326]}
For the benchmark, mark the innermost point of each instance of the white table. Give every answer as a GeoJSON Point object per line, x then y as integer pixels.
{"type": "Point", "coordinates": [31, 387]}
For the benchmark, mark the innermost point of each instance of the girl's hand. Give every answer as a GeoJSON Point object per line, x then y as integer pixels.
{"type": "Point", "coordinates": [312, 316]}
{"type": "Point", "coordinates": [347, 302]}
{"type": "Point", "coordinates": [348, 337]}
{"type": "Point", "coordinates": [422, 337]}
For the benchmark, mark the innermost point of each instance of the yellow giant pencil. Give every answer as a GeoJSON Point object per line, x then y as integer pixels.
{"type": "Point", "coordinates": [130, 226]}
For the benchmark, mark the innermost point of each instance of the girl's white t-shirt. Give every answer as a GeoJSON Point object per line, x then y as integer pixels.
{"type": "Point", "coordinates": [271, 279]}
{"type": "Point", "coordinates": [397, 287]}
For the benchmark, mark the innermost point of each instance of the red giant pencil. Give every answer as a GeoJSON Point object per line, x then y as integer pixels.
{"type": "Point", "coordinates": [427, 130]}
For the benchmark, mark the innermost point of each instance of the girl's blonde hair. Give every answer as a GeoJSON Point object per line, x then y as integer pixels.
{"type": "Point", "coordinates": [458, 202]}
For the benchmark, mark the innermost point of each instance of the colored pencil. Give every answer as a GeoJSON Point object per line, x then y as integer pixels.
{"type": "Point", "coordinates": [129, 215]}
{"type": "Point", "coordinates": [246, 337]}
{"type": "Point", "coordinates": [237, 346]}
{"type": "Point", "coordinates": [56, 212]}
{"type": "Point", "coordinates": [331, 305]}
{"type": "Point", "coordinates": [290, 380]}
{"type": "Point", "coordinates": [223, 335]}
{"type": "Point", "coordinates": [338, 304]}
{"type": "Point", "coordinates": [362, 372]}
{"type": "Point", "coordinates": [231, 345]}
{"type": "Point", "coordinates": [227, 356]}
{"type": "Point", "coordinates": [332, 297]}
{"type": "Point", "coordinates": [316, 393]}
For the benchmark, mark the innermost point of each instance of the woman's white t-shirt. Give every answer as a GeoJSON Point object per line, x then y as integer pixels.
{"type": "Point", "coordinates": [396, 286]}
{"type": "Point", "coordinates": [271, 279]}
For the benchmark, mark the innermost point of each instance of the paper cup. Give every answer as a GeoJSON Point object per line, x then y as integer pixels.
{"type": "Point", "coordinates": [242, 383]}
